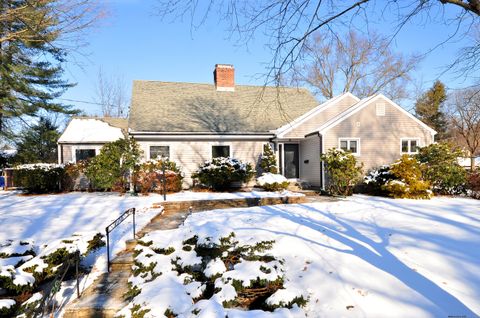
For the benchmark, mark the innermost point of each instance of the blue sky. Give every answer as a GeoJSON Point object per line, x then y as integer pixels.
{"type": "Point", "coordinates": [133, 43]}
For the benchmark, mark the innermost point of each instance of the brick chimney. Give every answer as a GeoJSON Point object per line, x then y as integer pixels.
{"type": "Point", "coordinates": [224, 77]}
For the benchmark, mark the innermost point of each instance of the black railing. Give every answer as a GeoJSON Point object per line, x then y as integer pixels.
{"type": "Point", "coordinates": [55, 285]}
{"type": "Point", "coordinates": [113, 225]}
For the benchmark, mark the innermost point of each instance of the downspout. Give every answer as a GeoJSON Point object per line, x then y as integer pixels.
{"type": "Point", "coordinates": [322, 166]}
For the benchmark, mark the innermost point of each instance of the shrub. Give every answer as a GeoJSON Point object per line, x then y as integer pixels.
{"type": "Point", "coordinates": [111, 169]}
{"type": "Point", "coordinates": [148, 177]}
{"type": "Point", "coordinates": [220, 173]}
{"type": "Point", "coordinates": [342, 170]}
{"type": "Point", "coordinates": [72, 173]}
{"type": "Point", "coordinates": [440, 167]}
{"type": "Point", "coordinates": [473, 184]}
{"type": "Point", "coordinates": [268, 161]}
{"type": "Point", "coordinates": [408, 182]}
{"type": "Point", "coordinates": [376, 179]}
{"type": "Point", "coordinates": [272, 182]}
{"type": "Point", "coordinates": [39, 178]}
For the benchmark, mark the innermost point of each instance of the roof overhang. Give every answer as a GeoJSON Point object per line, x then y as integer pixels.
{"type": "Point", "coordinates": [152, 135]}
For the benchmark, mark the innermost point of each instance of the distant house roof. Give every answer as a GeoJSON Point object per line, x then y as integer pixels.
{"type": "Point", "coordinates": [188, 107]}
{"type": "Point", "coordinates": [94, 130]}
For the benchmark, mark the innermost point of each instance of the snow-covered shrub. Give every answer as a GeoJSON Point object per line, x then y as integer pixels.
{"type": "Point", "coordinates": [408, 182]}
{"type": "Point", "coordinates": [343, 171]}
{"type": "Point", "coordinates": [111, 169]}
{"type": "Point", "coordinates": [7, 307]}
{"type": "Point", "coordinates": [440, 167]}
{"type": "Point", "coordinates": [149, 176]}
{"type": "Point", "coordinates": [272, 182]}
{"type": "Point", "coordinates": [208, 267]}
{"type": "Point", "coordinates": [375, 179]}
{"type": "Point", "coordinates": [26, 267]}
{"type": "Point", "coordinates": [39, 178]}
{"type": "Point", "coordinates": [221, 172]}
{"type": "Point", "coordinates": [268, 161]}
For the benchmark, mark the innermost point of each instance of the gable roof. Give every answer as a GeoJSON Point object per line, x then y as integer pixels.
{"type": "Point", "coordinates": [362, 104]}
{"type": "Point", "coordinates": [94, 130]}
{"type": "Point", "coordinates": [320, 108]}
{"type": "Point", "coordinates": [189, 107]}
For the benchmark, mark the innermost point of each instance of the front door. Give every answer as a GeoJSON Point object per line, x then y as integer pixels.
{"type": "Point", "coordinates": [291, 161]}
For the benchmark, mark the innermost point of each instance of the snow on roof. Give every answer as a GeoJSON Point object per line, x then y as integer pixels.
{"type": "Point", "coordinates": [90, 130]}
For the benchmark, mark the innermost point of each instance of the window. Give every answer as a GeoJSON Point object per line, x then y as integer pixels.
{"type": "Point", "coordinates": [350, 144]}
{"type": "Point", "coordinates": [409, 145]}
{"type": "Point", "coordinates": [220, 151]}
{"type": "Point", "coordinates": [159, 152]}
{"type": "Point", "coordinates": [84, 154]}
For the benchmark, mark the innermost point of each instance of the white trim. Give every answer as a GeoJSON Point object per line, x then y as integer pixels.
{"type": "Point", "coordinates": [201, 137]}
{"type": "Point", "coordinates": [348, 139]}
{"type": "Point", "coordinates": [308, 115]}
{"type": "Point", "coordinates": [362, 104]}
{"type": "Point", "coordinates": [418, 139]}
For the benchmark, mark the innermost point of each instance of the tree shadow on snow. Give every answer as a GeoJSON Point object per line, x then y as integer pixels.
{"type": "Point", "coordinates": [374, 253]}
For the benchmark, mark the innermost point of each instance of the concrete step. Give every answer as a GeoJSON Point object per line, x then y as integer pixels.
{"type": "Point", "coordinates": [130, 245]}
{"type": "Point", "coordinates": [103, 299]}
{"type": "Point", "coordinates": [123, 262]}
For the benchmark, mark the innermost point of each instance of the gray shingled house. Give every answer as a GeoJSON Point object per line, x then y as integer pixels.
{"type": "Point", "coordinates": [191, 123]}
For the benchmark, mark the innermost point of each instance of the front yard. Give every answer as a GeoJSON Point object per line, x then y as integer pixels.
{"type": "Point", "coordinates": [358, 257]}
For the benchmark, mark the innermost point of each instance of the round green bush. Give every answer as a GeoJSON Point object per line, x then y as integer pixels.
{"type": "Point", "coordinates": [220, 173]}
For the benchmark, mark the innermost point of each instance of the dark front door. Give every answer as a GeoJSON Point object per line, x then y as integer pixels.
{"type": "Point", "coordinates": [291, 161]}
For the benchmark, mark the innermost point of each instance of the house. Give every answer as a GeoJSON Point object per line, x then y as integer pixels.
{"type": "Point", "coordinates": [191, 123]}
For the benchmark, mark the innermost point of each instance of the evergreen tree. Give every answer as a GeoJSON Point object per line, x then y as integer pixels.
{"type": "Point", "coordinates": [268, 161]}
{"type": "Point", "coordinates": [38, 143]}
{"type": "Point", "coordinates": [428, 109]}
{"type": "Point", "coordinates": [31, 56]}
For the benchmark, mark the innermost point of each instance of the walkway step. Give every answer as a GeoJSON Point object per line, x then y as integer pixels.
{"type": "Point", "coordinates": [123, 262]}
{"type": "Point", "coordinates": [103, 299]}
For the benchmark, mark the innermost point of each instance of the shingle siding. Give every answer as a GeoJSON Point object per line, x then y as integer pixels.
{"type": "Point", "coordinates": [379, 135]}
{"type": "Point", "coordinates": [317, 120]}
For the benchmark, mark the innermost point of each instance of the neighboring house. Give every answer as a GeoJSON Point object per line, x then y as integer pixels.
{"type": "Point", "coordinates": [84, 137]}
{"type": "Point", "coordinates": [191, 123]}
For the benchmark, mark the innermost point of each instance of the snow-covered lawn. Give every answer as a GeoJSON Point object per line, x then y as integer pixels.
{"type": "Point", "coordinates": [359, 257]}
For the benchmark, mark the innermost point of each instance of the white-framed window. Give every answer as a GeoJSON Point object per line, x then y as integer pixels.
{"type": "Point", "coordinates": [409, 145]}
{"type": "Point", "coordinates": [220, 151]}
{"type": "Point", "coordinates": [159, 152]}
{"type": "Point", "coordinates": [350, 144]}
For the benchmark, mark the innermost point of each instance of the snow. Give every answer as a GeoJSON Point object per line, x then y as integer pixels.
{"type": "Point", "coordinates": [6, 303]}
{"type": "Point", "coordinates": [358, 257]}
{"type": "Point", "coordinates": [214, 267]}
{"type": "Point", "coordinates": [270, 178]}
{"type": "Point", "coordinates": [90, 130]}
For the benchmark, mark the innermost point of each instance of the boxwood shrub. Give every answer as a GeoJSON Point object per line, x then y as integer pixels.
{"type": "Point", "coordinates": [221, 172]}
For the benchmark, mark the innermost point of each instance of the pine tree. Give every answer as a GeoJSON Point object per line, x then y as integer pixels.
{"type": "Point", "coordinates": [38, 143]}
{"type": "Point", "coordinates": [428, 109]}
{"type": "Point", "coordinates": [268, 162]}
{"type": "Point", "coordinates": [30, 62]}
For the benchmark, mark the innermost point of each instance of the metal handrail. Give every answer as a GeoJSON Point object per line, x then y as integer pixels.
{"type": "Point", "coordinates": [113, 225]}
{"type": "Point", "coordinates": [54, 286]}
